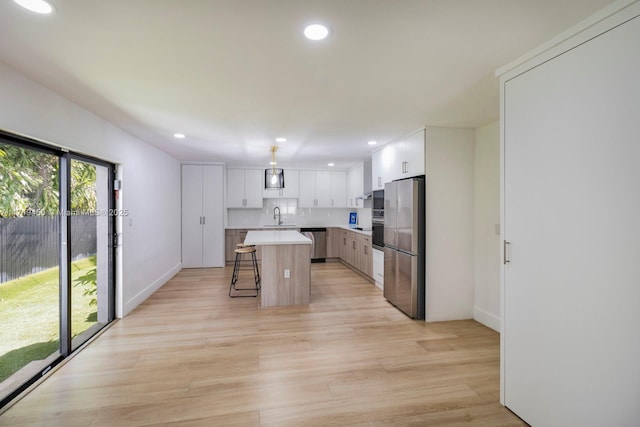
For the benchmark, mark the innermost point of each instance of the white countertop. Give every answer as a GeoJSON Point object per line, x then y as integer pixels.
{"type": "Point", "coordinates": [297, 227]}
{"type": "Point", "coordinates": [275, 237]}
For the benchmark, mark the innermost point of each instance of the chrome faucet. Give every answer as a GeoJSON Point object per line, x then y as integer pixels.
{"type": "Point", "coordinates": [278, 215]}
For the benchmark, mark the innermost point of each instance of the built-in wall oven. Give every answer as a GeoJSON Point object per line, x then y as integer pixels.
{"type": "Point", "coordinates": [377, 220]}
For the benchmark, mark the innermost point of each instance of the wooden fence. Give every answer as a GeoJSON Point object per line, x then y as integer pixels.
{"type": "Point", "coordinates": [31, 244]}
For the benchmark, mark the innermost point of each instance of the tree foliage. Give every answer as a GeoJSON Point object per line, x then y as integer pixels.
{"type": "Point", "coordinates": [30, 184]}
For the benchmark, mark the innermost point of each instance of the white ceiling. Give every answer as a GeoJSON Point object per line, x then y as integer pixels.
{"type": "Point", "coordinates": [234, 74]}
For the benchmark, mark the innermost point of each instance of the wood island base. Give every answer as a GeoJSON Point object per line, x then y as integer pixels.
{"type": "Point", "coordinates": [277, 290]}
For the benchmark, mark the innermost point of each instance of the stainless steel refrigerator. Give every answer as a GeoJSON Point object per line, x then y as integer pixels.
{"type": "Point", "coordinates": [404, 245]}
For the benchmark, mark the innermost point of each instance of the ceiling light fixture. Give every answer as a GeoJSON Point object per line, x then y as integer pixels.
{"type": "Point", "coordinates": [281, 139]}
{"type": "Point", "coordinates": [179, 135]}
{"type": "Point", "coordinates": [372, 142]}
{"type": "Point", "coordinates": [273, 177]}
{"type": "Point", "coordinates": [38, 6]}
{"type": "Point", "coordinates": [331, 164]}
{"type": "Point", "coordinates": [316, 32]}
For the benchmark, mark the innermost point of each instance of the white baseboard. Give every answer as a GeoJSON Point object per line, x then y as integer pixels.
{"type": "Point", "coordinates": [130, 305]}
{"type": "Point", "coordinates": [488, 319]}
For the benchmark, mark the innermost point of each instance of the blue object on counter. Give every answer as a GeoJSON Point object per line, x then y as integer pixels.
{"type": "Point", "coordinates": [353, 219]}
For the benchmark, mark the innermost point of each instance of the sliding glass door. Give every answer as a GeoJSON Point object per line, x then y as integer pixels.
{"type": "Point", "coordinates": [29, 264]}
{"type": "Point", "coordinates": [91, 248]}
{"type": "Point", "coordinates": [56, 257]}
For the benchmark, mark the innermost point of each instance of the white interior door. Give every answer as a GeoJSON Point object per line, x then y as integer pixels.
{"type": "Point", "coordinates": [572, 214]}
{"type": "Point", "coordinates": [212, 210]}
{"type": "Point", "coordinates": [191, 216]}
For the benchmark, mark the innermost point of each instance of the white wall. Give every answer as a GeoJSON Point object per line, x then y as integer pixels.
{"type": "Point", "coordinates": [150, 243]}
{"type": "Point", "coordinates": [450, 223]}
{"type": "Point", "coordinates": [486, 307]}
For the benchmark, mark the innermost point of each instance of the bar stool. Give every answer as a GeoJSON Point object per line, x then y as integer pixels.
{"type": "Point", "coordinates": [241, 250]}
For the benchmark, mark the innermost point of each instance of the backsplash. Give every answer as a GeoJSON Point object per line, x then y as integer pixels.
{"type": "Point", "coordinates": [292, 214]}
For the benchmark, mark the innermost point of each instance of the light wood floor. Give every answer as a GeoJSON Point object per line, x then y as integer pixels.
{"type": "Point", "coordinates": [191, 356]}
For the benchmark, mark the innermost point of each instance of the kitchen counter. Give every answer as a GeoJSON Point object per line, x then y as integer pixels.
{"type": "Point", "coordinates": [346, 227]}
{"type": "Point", "coordinates": [275, 237]}
{"type": "Point", "coordinates": [297, 227]}
{"type": "Point", "coordinates": [285, 268]}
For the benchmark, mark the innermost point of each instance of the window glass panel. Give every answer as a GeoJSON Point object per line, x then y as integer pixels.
{"type": "Point", "coordinates": [29, 264]}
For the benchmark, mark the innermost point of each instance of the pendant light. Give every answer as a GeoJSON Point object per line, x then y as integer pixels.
{"type": "Point", "coordinates": [274, 177]}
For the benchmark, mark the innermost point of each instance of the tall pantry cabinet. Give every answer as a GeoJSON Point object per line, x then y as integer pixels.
{"type": "Point", "coordinates": [202, 216]}
{"type": "Point", "coordinates": [570, 119]}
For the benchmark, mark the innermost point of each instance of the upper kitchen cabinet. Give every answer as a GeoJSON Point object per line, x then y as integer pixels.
{"type": "Point", "coordinates": [411, 152]}
{"type": "Point", "coordinates": [338, 189]}
{"type": "Point", "coordinates": [401, 158]}
{"type": "Point", "coordinates": [323, 189]}
{"type": "Point", "coordinates": [355, 186]}
{"type": "Point", "coordinates": [291, 188]}
{"type": "Point", "coordinates": [244, 188]}
{"type": "Point", "coordinates": [381, 161]}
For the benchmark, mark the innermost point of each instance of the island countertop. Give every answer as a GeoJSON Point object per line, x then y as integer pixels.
{"type": "Point", "coordinates": [275, 237]}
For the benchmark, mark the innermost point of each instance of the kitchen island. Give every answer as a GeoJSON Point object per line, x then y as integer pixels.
{"type": "Point", "coordinates": [285, 269]}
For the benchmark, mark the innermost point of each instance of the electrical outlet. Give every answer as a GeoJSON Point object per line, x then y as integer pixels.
{"type": "Point", "coordinates": [287, 274]}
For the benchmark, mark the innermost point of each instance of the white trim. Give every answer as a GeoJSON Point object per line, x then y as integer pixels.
{"type": "Point", "coordinates": [130, 305]}
{"type": "Point", "coordinates": [596, 24]}
{"type": "Point", "coordinates": [489, 320]}
{"type": "Point", "coordinates": [502, 239]}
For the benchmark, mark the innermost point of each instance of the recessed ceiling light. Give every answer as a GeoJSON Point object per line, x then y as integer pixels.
{"type": "Point", "coordinates": [37, 6]}
{"type": "Point", "coordinates": [372, 142]}
{"type": "Point", "coordinates": [316, 32]}
{"type": "Point", "coordinates": [273, 163]}
{"type": "Point", "coordinates": [330, 164]}
{"type": "Point", "coordinates": [281, 139]}
{"type": "Point", "coordinates": [179, 135]}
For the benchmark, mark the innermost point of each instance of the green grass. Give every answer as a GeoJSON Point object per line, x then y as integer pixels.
{"type": "Point", "coordinates": [30, 316]}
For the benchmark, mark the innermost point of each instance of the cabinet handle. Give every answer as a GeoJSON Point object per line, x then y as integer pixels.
{"type": "Point", "coordinates": [505, 248]}
{"type": "Point", "coordinates": [344, 241]}
{"type": "Point", "coordinates": [366, 252]}
{"type": "Point", "coordinates": [204, 220]}
{"type": "Point", "coordinates": [354, 244]}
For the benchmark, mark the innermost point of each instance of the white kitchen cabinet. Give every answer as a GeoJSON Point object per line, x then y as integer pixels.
{"type": "Point", "coordinates": [385, 167]}
{"type": "Point", "coordinates": [377, 178]}
{"type": "Point", "coordinates": [323, 189]}
{"type": "Point", "coordinates": [338, 189]}
{"type": "Point", "coordinates": [307, 185]}
{"type": "Point", "coordinates": [202, 216]}
{"type": "Point", "coordinates": [401, 158]}
{"type": "Point", "coordinates": [355, 186]}
{"type": "Point", "coordinates": [571, 235]}
{"type": "Point", "coordinates": [411, 151]}
{"type": "Point", "coordinates": [378, 268]}
{"type": "Point", "coordinates": [291, 188]}
{"type": "Point", "coordinates": [244, 188]}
